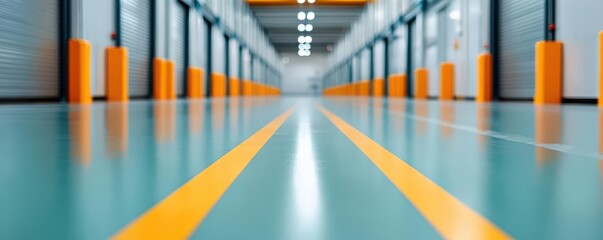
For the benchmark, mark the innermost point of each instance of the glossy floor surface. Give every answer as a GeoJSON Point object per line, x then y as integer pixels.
{"type": "Point", "coordinates": [301, 168]}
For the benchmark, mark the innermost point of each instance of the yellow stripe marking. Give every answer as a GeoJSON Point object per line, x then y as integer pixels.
{"type": "Point", "coordinates": [449, 216]}
{"type": "Point", "coordinates": [179, 214]}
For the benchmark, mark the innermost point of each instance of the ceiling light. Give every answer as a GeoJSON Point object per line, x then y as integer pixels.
{"type": "Point", "coordinates": [301, 28]}
{"type": "Point", "coordinates": [301, 1]}
{"type": "Point", "coordinates": [310, 16]}
{"type": "Point", "coordinates": [300, 46]}
{"type": "Point", "coordinates": [301, 15]}
{"type": "Point", "coordinates": [301, 39]}
{"type": "Point", "coordinates": [308, 39]}
{"type": "Point", "coordinates": [303, 53]}
{"type": "Point", "coordinates": [308, 27]}
{"type": "Point", "coordinates": [455, 15]}
{"type": "Point", "coordinates": [307, 46]}
{"type": "Point", "coordinates": [311, 1]}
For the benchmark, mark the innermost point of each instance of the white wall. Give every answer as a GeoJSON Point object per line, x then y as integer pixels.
{"type": "Point", "coordinates": [301, 72]}
{"type": "Point", "coordinates": [356, 69]}
{"type": "Point", "coordinates": [365, 64]}
{"type": "Point", "coordinates": [94, 21]}
{"type": "Point", "coordinates": [257, 70]}
{"type": "Point", "coordinates": [397, 51]}
{"type": "Point", "coordinates": [578, 26]}
{"type": "Point", "coordinates": [234, 58]}
{"type": "Point", "coordinates": [218, 48]}
{"type": "Point", "coordinates": [432, 62]}
{"type": "Point", "coordinates": [246, 75]}
{"type": "Point", "coordinates": [161, 33]}
{"type": "Point", "coordinates": [379, 59]}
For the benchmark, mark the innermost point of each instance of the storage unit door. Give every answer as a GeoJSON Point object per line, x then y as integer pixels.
{"type": "Point", "coordinates": [207, 64]}
{"type": "Point", "coordinates": [397, 51]}
{"type": "Point", "coordinates": [432, 51]}
{"type": "Point", "coordinates": [178, 43]}
{"type": "Point", "coordinates": [412, 61]}
{"type": "Point", "coordinates": [135, 32]}
{"type": "Point", "coordinates": [379, 59]}
{"type": "Point", "coordinates": [29, 49]}
{"type": "Point", "coordinates": [233, 69]}
{"type": "Point", "coordinates": [365, 64]}
{"type": "Point", "coordinates": [521, 25]}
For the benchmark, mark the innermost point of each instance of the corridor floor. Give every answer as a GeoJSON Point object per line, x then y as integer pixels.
{"type": "Point", "coordinates": [301, 168]}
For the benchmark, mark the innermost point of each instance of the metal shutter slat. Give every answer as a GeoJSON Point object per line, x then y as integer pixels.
{"type": "Point", "coordinates": [521, 26]}
{"type": "Point", "coordinates": [136, 36]}
{"type": "Point", "coordinates": [29, 49]}
{"type": "Point", "coordinates": [178, 16]}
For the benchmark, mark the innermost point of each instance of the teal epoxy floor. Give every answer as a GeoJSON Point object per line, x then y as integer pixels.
{"type": "Point", "coordinates": [85, 172]}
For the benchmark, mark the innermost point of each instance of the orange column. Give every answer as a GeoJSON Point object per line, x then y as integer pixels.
{"type": "Point", "coordinates": [365, 88]}
{"type": "Point", "coordinates": [447, 81]}
{"type": "Point", "coordinates": [159, 79]}
{"type": "Point", "coordinates": [421, 86]}
{"type": "Point", "coordinates": [218, 85]}
{"type": "Point", "coordinates": [117, 74]}
{"type": "Point", "coordinates": [247, 91]}
{"type": "Point", "coordinates": [235, 87]}
{"type": "Point", "coordinates": [601, 69]}
{"type": "Point", "coordinates": [378, 87]}
{"type": "Point", "coordinates": [484, 78]}
{"type": "Point", "coordinates": [79, 72]}
{"type": "Point", "coordinates": [548, 72]}
{"type": "Point", "coordinates": [170, 80]}
{"type": "Point", "coordinates": [195, 83]}
{"type": "Point", "coordinates": [403, 89]}
{"type": "Point", "coordinates": [393, 86]}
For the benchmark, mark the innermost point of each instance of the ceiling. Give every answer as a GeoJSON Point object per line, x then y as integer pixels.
{"type": "Point", "coordinates": [331, 22]}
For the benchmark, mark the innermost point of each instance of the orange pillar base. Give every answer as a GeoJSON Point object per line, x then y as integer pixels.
{"type": "Point", "coordinates": [601, 69]}
{"type": "Point", "coordinates": [421, 83]}
{"type": "Point", "coordinates": [365, 88]}
{"type": "Point", "coordinates": [484, 78]}
{"type": "Point", "coordinates": [247, 88]}
{"type": "Point", "coordinates": [548, 72]}
{"type": "Point", "coordinates": [170, 80]}
{"type": "Point", "coordinates": [159, 79]}
{"type": "Point", "coordinates": [447, 81]}
{"type": "Point", "coordinates": [235, 87]}
{"type": "Point", "coordinates": [79, 72]}
{"type": "Point", "coordinates": [194, 87]}
{"type": "Point", "coordinates": [397, 85]}
{"type": "Point", "coordinates": [218, 85]}
{"type": "Point", "coordinates": [117, 74]}
{"type": "Point", "coordinates": [378, 87]}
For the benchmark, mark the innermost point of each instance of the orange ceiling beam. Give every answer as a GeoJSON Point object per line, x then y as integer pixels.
{"type": "Point", "coordinates": [318, 2]}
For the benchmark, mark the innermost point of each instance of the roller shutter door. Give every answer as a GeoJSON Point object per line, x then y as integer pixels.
{"type": "Point", "coordinates": [379, 59]}
{"type": "Point", "coordinates": [178, 43]}
{"type": "Point", "coordinates": [136, 36]}
{"type": "Point", "coordinates": [521, 26]}
{"type": "Point", "coordinates": [29, 49]}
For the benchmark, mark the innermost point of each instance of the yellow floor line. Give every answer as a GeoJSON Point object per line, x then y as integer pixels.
{"type": "Point", "coordinates": [449, 216]}
{"type": "Point", "coordinates": [179, 214]}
